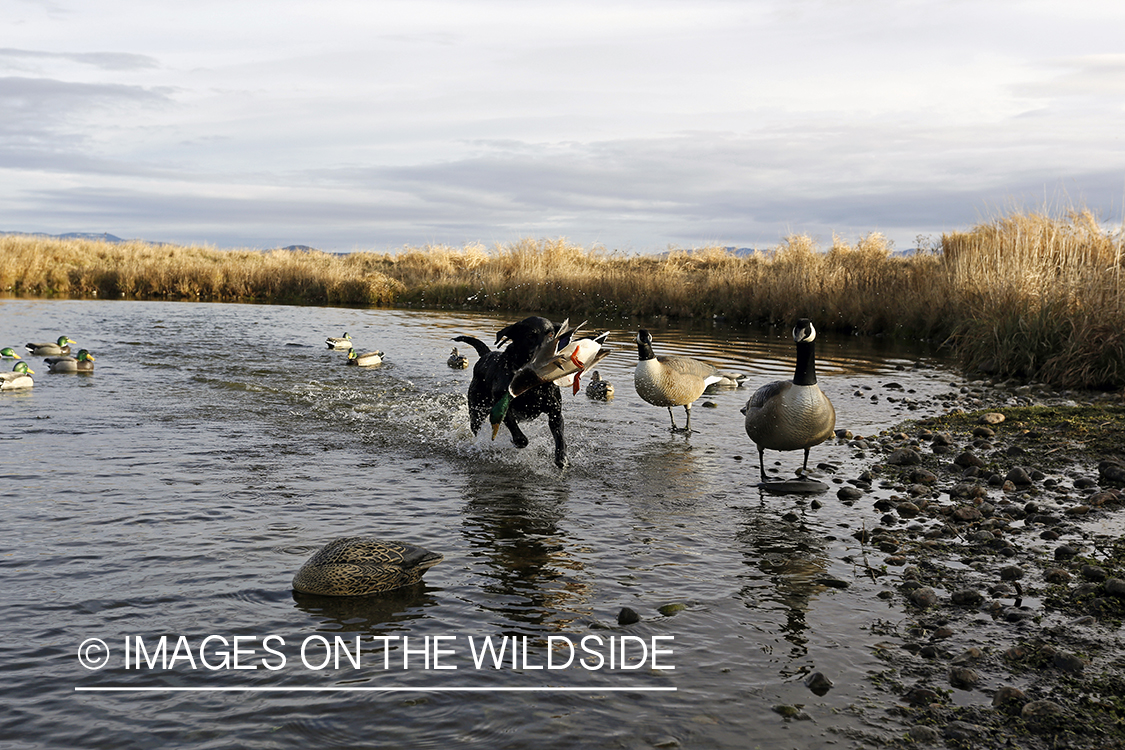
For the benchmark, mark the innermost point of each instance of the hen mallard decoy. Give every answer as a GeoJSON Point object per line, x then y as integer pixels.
{"type": "Point", "coordinates": [789, 415]}
{"type": "Point", "coordinates": [9, 353]}
{"type": "Point", "coordinates": [670, 380]}
{"type": "Point", "coordinates": [559, 359]}
{"type": "Point", "coordinates": [84, 362]}
{"type": "Point", "coordinates": [361, 565]}
{"type": "Point", "coordinates": [19, 377]}
{"type": "Point", "coordinates": [367, 359]}
{"type": "Point", "coordinates": [59, 348]}
{"type": "Point", "coordinates": [339, 342]}
{"type": "Point", "coordinates": [598, 389]}
{"type": "Point", "coordinates": [457, 361]}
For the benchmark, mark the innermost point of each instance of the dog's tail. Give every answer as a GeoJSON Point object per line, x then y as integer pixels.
{"type": "Point", "coordinates": [480, 346]}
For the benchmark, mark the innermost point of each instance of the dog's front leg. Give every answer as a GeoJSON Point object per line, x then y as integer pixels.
{"type": "Point", "coordinates": [518, 438]}
{"type": "Point", "coordinates": [555, 422]}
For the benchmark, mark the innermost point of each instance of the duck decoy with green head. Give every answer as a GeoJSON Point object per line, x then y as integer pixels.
{"type": "Point", "coordinates": [19, 377]}
{"type": "Point", "coordinates": [598, 389]}
{"type": "Point", "coordinates": [9, 353]}
{"type": "Point", "coordinates": [361, 565]}
{"type": "Point", "coordinates": [670, 380]}
{"type": "Point", "coordinates": [59, 348]}
{"type": "Point", "coordinates": [339, 342]}
{"type": "Point", "coordinates": [367, 359]}
{"type": "Point", "coordinates": [789, 415]}
{"type": "Point", "coordinates": [84, 362]}
{"type": "Point", "coordinates": [457, 361]}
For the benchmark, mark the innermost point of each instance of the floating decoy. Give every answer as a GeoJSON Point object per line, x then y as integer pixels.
{"type": "Point", "coordinates": [9, 353]}
{"type": "Point", "coordinates": [559, 359]}
{"type": "Point", "coordinates": [670, 380]}
{"type": "Point", "coordinates": [367, 359]}
{"type": "Point", "coordinates": [339, 342]}
{"type": "Point", "coordinates": [84, 362]}
{"type": "Point", "coordinates": [362, 565]}
{"type": "Point", "coordinates": [789, 415]}
{"type": "Point", "coordinates": [59, 348]}
{"type": "Point", "coordinates": [598, 389]}
{"type": "Point", "coordinates": [457, 361]}
{"type": "Point", "coordinates": [19, 377]}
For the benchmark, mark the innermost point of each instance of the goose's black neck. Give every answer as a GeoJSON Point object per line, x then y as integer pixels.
{"type": "Point", "coordinates": [806, 364]}
{"type": "Point", "coordinates": [644, 347]}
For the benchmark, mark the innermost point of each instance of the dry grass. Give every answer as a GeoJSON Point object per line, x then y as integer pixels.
{"type": "Point", "coordinates": [1026, 295]}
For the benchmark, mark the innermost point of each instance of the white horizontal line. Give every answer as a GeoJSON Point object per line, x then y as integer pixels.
{"type": "Point", "coordinates": [373, 689]}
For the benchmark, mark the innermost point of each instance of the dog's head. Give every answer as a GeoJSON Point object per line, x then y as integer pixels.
{"type": "Point", "coordinates": [525, 336]}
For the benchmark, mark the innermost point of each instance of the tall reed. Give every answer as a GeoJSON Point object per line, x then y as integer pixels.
{"type": "Point", "coordinates": [1025, 295]}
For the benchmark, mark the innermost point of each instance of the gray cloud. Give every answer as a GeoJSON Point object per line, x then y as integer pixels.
{"type": "Point", "coordinates": [115, 61]}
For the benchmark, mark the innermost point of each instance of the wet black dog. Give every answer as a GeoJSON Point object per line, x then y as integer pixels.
{"type": "Point", "coordinates": [493, 373]}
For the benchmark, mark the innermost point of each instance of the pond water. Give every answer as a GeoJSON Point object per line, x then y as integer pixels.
{"type": "Point", "coordinates": [175, 491]}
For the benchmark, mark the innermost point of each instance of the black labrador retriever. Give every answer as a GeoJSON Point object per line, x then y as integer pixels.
{"type": "Point", "coordinates": [493, 373]}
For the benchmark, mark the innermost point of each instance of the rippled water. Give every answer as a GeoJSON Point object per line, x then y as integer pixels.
{"type": "Point", "coordinates": [175, 491]}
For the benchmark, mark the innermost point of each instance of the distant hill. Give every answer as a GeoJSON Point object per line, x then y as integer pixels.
{"type": "Point", "coordinates": [103, 236]}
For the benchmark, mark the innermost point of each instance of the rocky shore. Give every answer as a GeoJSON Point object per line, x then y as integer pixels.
{"type": "Point", "coordinates": [1003, 535]}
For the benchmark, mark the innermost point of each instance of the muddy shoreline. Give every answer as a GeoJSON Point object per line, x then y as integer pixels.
{"type": "Point", "coordinates": [1002, 537]}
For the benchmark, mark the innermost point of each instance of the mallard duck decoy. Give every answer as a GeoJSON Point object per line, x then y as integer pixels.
{"type": "Point", "coordinates": [59, 348]}
{"type": "Point", "coordinates": [728, 380]}
{"type": "Point", "coordinates": [789, 415]}
{"type": "Point", "coordinates": [670, 380]}
{"type": "Point", "coordinates": [84, 362]}
{"type": "Point", "coordinates": [361, 565]}
{"type": "Point", "coordinates": [19, 377]}
{"type": "Point", "coordinates": [559, 359]}
{"type": "Point", "coordinates": [457, 361]}
{"type": "Point", "coordinates": [9, 353]}
{"type": "Point", "coordinates": [598, 389]}
{"type": "Point", "coordinates": [339, 342]}
{"type": "Point", "coordinates": [367, 359]}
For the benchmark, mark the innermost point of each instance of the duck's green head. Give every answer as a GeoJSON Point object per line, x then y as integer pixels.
{"type": "Point", "coordinates": [9, 353]}
{"type": "Point", "coordinates": [353, 354]}
{"type": "Point", "coordinates": [22, 367]}
{"type": "Point", "coordinates": [64, 340]}
{"type": "Point", "coordinates": [83, 354]}
{"type": "Point", "coordinates": [499, 411]}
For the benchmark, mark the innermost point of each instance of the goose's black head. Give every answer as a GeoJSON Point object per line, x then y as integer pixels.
{"type": "Point", "coordinates": [804, 331]}
{"type": "Point", "coordinates": [644, 345]}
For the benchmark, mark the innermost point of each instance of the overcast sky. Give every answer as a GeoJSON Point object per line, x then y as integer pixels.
{"type": "Point", "coordinates": [631, 125]}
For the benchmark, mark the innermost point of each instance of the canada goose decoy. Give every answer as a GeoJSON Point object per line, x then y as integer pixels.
{"type": "Point", "coordinates": [339, 342]}
{"type": "Point", "coordinates": [670, 380]}
{"type": "Point", "coordinates": [84, 362]}
{"type": "Point", "coordinates": [789, 415]}
{"type": "Point", "coordinates": [457, 361]}
{"type": "Point", "coordinates": [367, 359]}
{"type": "Point", "coordinates": [560, 359]}
{"type": "Point", "coordinates": [9, 353]}
{"type": "Point", "coordinates": [361, 565]}
{"type": "Point", "coordinates": [59, 348]}
{"type": "Point", "coordinates": [19, 377]}
{"type": "Point", "coordinates": [598, 389]}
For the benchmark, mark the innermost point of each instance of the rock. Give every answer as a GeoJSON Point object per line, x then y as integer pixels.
{"type": "Point", "coordinates": [963, 678]}
{"type": "Point", "coordinates": [818, 683]}
{"type": "Point", "coordinates": [968, 656]}
{"type": "Point", "coordinates": [628, 616]}
{"type": "Point", "coordinates": [992, 417]}
{"type": "Point", "coordinates": [967, 459]}
{"type": "Point", "coordinates": [1056, 575]}
{"type": "Point", "coordinates": [849, 494]}
{"type": "Point", "coordinates": [923, 734]}
{"type": "Point", "coordinates": [1011, 573]}
{"type": "Point", "coordinates": [923, 476]}
{"type": "Point", "coordinates": [1115, 587]}
{"type": "Point", "coordinates": [1094, 573]}
{"type": "Point", "coordinates": [670, 609]}
{"type": "Point", "coordinates": [1041, 710]}
{"type": "Point", "coordinates": [924, 597]}
{"type": "Point", "coordinates": [1112, 471]}
{"type": "Point", "coordinates": [1009, 697]}
{"type": "Point", "coordinates": [1067, 662]}
{"type": "Point", "coordinates": [1065, 552]}
{"type": "Point", "coordinates": [904, 457]}
{"type": "Point", "coordinates": [907, 509]}
{"type": "Point", "coordinates": [1018, 476]}
{"type": "Point", "coordinates": [832, 582]}
{"type": "Point", "coordinates": [967, 597]}
{"type": "Point", "coordinates": [984, 432]}
{"type": "Point", "coordinates": [921, 696]}
{"type": "Point", "coordinates": [966, 514]}
{"type": "Point", "coordinates": [962, 730]}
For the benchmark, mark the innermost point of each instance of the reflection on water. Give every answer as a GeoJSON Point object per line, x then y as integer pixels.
{"type": "Point", "coordinates": [177, 490]}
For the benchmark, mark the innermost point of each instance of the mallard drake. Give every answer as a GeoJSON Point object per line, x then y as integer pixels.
{"type": "Point", "coordinates": [19, 377]}
{"type": "Point", "coordinates": [559, 359]}
{"type": "Point", "coordinates": [728, 380]}
{"type": "Point", "coordinates": [59, 348]}
{"type": "Point", "coordinates": [670, 380]}
{"type": "Point", "coordinates": [84, 362]}
{"type": "Point", "coordinates": [9, 353]}
{"type": "Point", "coordinates": [789, 415]}
{"type": "Point", "coordinates": [367, 359]}
{"type": "Point", "coordinates": [361, 565]}
{"type": "Point", "coordinates": [457, 361]}
{"type": "Point", "coordinates": [341, 342]}
{"type": "Point", "coordinates": [598, 389]}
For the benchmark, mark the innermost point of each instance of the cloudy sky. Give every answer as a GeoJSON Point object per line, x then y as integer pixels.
{"type": "Point", "coordinates": [635, 125]}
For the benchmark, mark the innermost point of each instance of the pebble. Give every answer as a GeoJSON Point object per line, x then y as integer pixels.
{"type": "Point", "coordinates": [1011, 573]}
{"type": "Point", "coordinates": [1115, 587]}
{"type": "Point", "coordinates": [924, 597]}
{"type": "Point", "coordinates": [1018, 476]}
{"type": "Point", "coordinates": [1008, 695]}
{"type": "Point", "coordinates": [849, 494]}
{"type": "Point", "coordinates": [923, 734]}
{"type": "Point", "coordinates": [818, 683]}
{"type": "Point", "coordinates": [923, 476]}
{"type": "Point", "coordinates": [904, 457]}
{"type": "Point", "coordinates": [1065, 552]}
{"type": "Point", "coordinates": [1068, 662]}
{"type": "Point", "coordinates": [967, 597]}
{"type": "Point", "coordinates": [962, 730]}
{"type": "Point", "coordinates": [993, 417]}
{"type": "Point", "coordinates": [967, 459]}
{"type": "Point", "coordinates": [964, 678]}
{"type": "Point", "coordinates": [1094, 573]}
{"type": "Point", "coordinates": [670, 609]}
{"type": "Point", "coordinates": [1041, 710]}
{"type": "Point", "coordinates": [1056, 575]}
{"type": "Point", "coordinates": [628, 616]}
